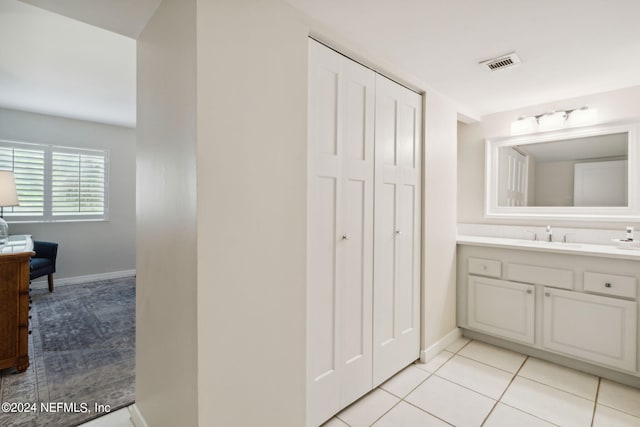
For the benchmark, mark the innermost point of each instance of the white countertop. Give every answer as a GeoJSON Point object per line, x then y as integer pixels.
{"type": "Point", "coordinates": [607, 251]}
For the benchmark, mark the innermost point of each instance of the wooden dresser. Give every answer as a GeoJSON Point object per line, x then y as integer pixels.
{"type": "Point", "coordinates": [14, 310]}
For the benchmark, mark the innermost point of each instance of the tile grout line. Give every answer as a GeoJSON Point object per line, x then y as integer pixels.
{"type": "Point", "coordinates": [504, 391]}
{"type": "Point", "coordinates": [427, 412]}
{"type": "Point", "coordinates": [431, 374]}
{"type": "Point", "coordinates": [486, 364]}
{"type": "Point", "coordinates": [337, 417]}
{"type": "Point", "coordinates": [530, 414]}
{"type": "Point", "coordinates": [388, 410]}
{"type": "Point", "coordinates": [438, 368]}
{"type": "Point", "coordinates": [620, 410]}
{"type": "Point", "coordinates": [595, 402]}
{"type": "Point", "coordinates": [559, 389]}
{"type": "Point", "coordinates": [613, 407]}
{"type": "Point", "coordinates": [402, 399]}
{"type": "Point", "coordinates": [460, 349]}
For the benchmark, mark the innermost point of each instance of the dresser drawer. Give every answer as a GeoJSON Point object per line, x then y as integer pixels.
{"type": "Point", "coordinates": [485, 267]}
{"type": "Point", "coordinates": [610, 284]}
{"type": "Point", "coordinates": [554, 277]}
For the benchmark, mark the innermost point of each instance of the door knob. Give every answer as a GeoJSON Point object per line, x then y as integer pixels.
{"type": "Point", "coordinates": [345, 237]}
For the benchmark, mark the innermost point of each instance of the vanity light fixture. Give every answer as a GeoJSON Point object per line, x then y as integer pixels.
{"type": "Point", "coordinates": [553, 120]}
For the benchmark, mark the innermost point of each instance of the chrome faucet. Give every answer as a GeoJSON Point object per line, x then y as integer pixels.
{"type": "Point", "coordinates": [549, 234]}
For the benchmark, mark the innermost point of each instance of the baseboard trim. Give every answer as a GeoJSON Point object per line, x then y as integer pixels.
{"type": "Point", "coordinates": [42, 283]}
{"type": "Point", "coordinates": [444, 342]}
{"type": "Point", "coordinates": [136, 417]}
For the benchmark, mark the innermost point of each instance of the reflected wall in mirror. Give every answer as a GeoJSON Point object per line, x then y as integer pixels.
{"type": "Point", "coordinates": [589, 173]}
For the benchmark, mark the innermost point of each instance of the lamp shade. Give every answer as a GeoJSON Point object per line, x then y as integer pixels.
{"type": "Point", "coordinates": [8, 193]}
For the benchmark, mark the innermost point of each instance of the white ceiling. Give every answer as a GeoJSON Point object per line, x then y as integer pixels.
{"type": "Point", "coordinates": [55, 65]}
{"type": "Point", "coordinates": [126, 17]}
{"type": "Point", "coordinates": [568, 48]}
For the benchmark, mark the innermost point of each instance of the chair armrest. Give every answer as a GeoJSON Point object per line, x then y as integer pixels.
{"type": "Point", "coordinates": [47, 250]}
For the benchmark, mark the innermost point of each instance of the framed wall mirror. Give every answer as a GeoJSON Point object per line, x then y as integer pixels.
{"type": "Point", "coordinates": [584, 174]}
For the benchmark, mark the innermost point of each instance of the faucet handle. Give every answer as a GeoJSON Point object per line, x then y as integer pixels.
{"type": "Point", "coordinates": [564, 238]}
{"type": "Point", "coordinates": [534, 236]}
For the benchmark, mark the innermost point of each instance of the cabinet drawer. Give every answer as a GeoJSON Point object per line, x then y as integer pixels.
{"type": "Point", "coordinates": [485, 267]}
{"type": "Point", "coordinates": [554, 277]}
{"type": "Point", "coordinates": [610, 284]}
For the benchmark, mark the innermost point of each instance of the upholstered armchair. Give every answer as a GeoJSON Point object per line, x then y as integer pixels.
{"type": "Point", "coordinates": [44, 261]}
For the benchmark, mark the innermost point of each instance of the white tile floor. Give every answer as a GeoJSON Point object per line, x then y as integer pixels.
{"type": "Point", "coordinates": [473, 384]}
{"type": "Point", "coordinates": [119, 418]}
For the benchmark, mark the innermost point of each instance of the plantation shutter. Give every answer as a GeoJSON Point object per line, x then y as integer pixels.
{"type": "Point", "coordinates": [28, 166]}
{"type": "Point", "coordinates": [77, 184]}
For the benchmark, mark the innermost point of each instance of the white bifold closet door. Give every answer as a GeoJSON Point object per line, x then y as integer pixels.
{"type": "Point", "coordinates": [363, 316]}
{"type": "Point", "coordinates": [340, 232]}
{"type": "Point", "coordinates": [398, 195]}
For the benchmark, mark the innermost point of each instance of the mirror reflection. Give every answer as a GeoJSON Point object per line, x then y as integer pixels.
{"type": "Point", "coordinates": [589, 171]}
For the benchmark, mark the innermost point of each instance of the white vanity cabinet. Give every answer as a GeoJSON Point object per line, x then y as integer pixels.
{"type": "Point", "coordinates": [559, 306]}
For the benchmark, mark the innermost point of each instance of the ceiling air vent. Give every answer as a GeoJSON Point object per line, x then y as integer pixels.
{"type": "Point", "coordinates": [501, 62]}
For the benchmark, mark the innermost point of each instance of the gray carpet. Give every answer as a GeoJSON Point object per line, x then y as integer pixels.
{"type": "Point", "coordinates": [81, 352]}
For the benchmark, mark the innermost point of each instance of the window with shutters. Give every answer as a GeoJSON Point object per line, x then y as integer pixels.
{"type": "Point", "coordinates": [56, 183]}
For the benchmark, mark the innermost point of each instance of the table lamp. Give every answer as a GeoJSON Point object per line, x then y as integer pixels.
{"type": "Point", "coordinates": [8, 197]}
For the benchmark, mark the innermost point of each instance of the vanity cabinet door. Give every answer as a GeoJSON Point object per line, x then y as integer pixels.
{"type": "Point", "coordinates": [595, 328]}
{"type": "Point", "coordinates": [501, 308]}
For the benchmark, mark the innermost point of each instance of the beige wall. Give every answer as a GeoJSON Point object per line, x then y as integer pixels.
{"type": "Point", "coordinates": [554, 183]}
{"type": "Point", "coordinates": [166, 327]}
{"type": "Point", "coordinates": [439, 265]}
{"type": "Point", "coordinates": [249, 215]}
{"type": "Point", "coordinates": [252, 151]}
{"type": "Point", "coordinates": [619, 105]}
{"type": "Point", "coordinates": [85, 248]}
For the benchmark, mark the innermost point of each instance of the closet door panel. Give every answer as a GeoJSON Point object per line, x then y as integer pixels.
{"type": "Point", "coordinates": [385, 260]}
{"type": "Point", "coordinates": [340, 232]}
{"type": "Point", "coordinates": [323, 367]}
{"type": "Point", "coordinates": [356, 284]}
{"type": "Point", "coordinates": [405, 239]}
{"type": "Point", "coordinates": [397, 236]}
{"type": "Point", "coordinates": [354, 290]}
{"type": "Point", "coordinates": [323, 271]}
{"type": "Point", "coordinates": [356, 119]}
{"type": "Point", "coordinates": [385, 129]}
{"type": "Point", "coordinates": [408, 138]}
{"type": "Point", "coordinates": [324, 82]}
{"type": "Point", "coordinates": [322, 289]}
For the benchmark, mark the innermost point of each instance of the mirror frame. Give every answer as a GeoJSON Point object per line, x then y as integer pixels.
{"type": "Point", "coordinates": [582, 213]}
